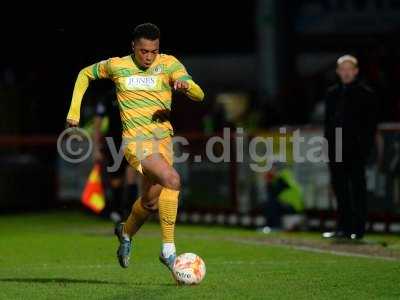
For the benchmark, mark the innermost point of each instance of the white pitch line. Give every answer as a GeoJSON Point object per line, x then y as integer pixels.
{"type": "Point", "coordinates": [316, 250]}
{"type": "Point", "coordinates": [342, 253]}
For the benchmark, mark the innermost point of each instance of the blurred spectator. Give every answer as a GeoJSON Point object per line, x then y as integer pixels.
{"type": "Point", "coordinates": [285, 196]}
{"type": "Point", "coordinates": [350, 107]}
{"type": "Point", "coordinates": [237, 111]}
{"type": "Point", "coordinates": [215, 121]}
{"type": "Point", "coordinates": [121, 186]}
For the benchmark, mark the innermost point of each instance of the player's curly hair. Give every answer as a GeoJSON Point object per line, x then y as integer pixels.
{"type": "Point", "coordinates": [148, 31]}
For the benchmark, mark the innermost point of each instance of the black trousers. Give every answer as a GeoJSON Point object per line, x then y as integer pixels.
{"type": "Point", "coordinates": [114, 194]}
{"type": "Point", "coordinates": [349, 184]}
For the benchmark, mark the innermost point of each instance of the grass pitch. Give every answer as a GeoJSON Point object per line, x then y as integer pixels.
{"type": "Point", "coordinates": [72, 256]}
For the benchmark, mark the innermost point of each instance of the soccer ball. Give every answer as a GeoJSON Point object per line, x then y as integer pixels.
{"type": "Point", "coordinates": [189, 268]}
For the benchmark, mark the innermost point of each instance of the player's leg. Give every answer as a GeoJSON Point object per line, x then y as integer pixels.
{"type": "Point", "coordinates": [143, 207]}
{"type": "Point", "coordinates": [161, 186]}
{"type": "Point", "coordinates": [138, 215]}
{"type": "Point", "coordinates": [160, 171]}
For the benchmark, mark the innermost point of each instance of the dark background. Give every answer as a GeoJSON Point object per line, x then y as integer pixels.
{"type": "Point", "coordinates": [41, 56]}
{"type": "Point", "coordinates": [281, 53]}
{"type": "Point", "coordinates": [44, 48]}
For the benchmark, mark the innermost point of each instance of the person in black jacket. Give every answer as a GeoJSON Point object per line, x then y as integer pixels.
{"type": "Point", "coordinates": [350, 125]}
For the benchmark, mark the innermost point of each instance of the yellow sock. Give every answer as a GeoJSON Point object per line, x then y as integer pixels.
{"type": "Point", "coordinates": [136, 219]}
{"type": "Point", "coordinates": [167, 209]}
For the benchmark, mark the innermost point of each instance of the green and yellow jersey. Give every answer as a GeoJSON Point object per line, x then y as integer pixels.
{"type": "Point", "coordinates": [144, 95]}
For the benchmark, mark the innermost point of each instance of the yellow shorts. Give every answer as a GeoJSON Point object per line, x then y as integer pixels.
{"type": "Point", "coordinates": [135, 152]}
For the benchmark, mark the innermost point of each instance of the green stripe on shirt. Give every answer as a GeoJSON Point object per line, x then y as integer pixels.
{"type": "Point", "coordinates": [185, 78]}
{"type": "Point", "coordinates": [140, 103]}
{"type": "Point", "coordinates": [175, 67]}
{"type": "Point", "coordinates": [137, 122]}
{"type": "Point", "coordinates": [95, 71]}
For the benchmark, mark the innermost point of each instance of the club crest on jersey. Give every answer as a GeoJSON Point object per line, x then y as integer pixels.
{"type": "Point", "coordinates": [157, 69]}
{"type": "Point", "coordinates": [136, 82]}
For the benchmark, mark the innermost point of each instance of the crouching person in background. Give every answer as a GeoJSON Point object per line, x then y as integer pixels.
{"type": "Point", "coordinates": [285, 196]}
